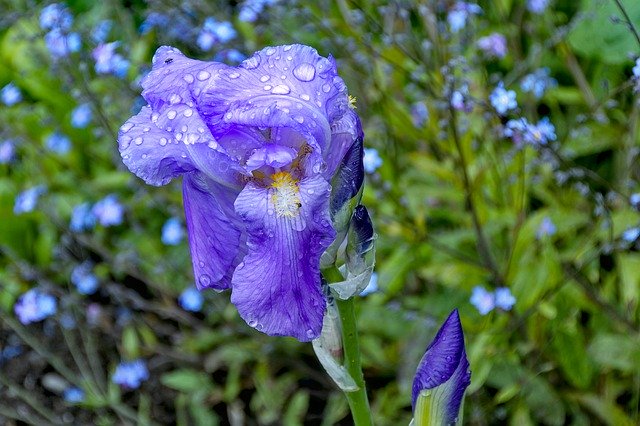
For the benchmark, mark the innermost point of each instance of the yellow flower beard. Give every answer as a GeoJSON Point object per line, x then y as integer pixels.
{"type": "Point", "coordinates": [285, 198]}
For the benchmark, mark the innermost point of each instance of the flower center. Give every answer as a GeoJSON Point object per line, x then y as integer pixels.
{"type": "Point", "coordinates": [285, 198]}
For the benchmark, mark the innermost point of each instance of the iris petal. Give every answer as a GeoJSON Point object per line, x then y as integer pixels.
{"type": "Point", "coordinates": [277, 286]}
{"type": "Point", "coordinates": [213, 235]}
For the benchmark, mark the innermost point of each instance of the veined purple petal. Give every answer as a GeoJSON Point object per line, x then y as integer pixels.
{"type": "Point", "coordinates": [344, 133]}
{"type": "Point", "coordinates": [283, 86]}
{"type": "Point", "coordinates": [277, 287]}
{"type": "Point", "coordinates": [272, 155]}
{"type": "Point", "coordinates": [213, 235]}
{"type": "Point", "coordinates": [445, 363]}
{"type": "Point", "coordinates": [151, 153]}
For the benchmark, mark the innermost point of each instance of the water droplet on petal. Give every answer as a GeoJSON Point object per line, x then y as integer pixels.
{"type": "Point", "coordinates": [326, 88]}
{"type": "Point", "coordinates": [171, 114]}
{"type": "Point", "coordinates": [203, 75]}
{"type": "Point", "coordinates": [252, 62]}
{"type": "Point", "coordinates": [310, 191]}
{"type": "Point", "coordinates": [178, 136]}
{"type": "Point", "coordinates": [287, 47]}
{"type": "Point", "coordinates": [201, 264]}
{"type": "Point", "coordinates": [163, 141]}
{"type": "Point", "coordinates": [267, 87]}
{"type": "Point", "coordinates": [205, 280]}
{"type": "Point", "coordinates": [188, 78]}
{"type": "Point", "coordinates": [281, 89]}
{"type": "Point", "coordinates": [299, 119]}
{"type": "Point", "coordinates": [305, 97]}
{"type": "Point", "coordinates": [154, 117]}
{"type": "Point", "coordinates": [126, 127]}
{"type": "Point", "coordinates": [144, 156]}
{"type": "Point", "coordinates": [264, 78]}
{"type": "Point", "coordinates": [138, 140]}
{"type": "Point", "coordinates": [174, 99]}
{"type": "Point", "coordinates": [188, 112]}
{"type": "Point", "coordinates": [310, 334]}
{"type": "Point", "coordinates": [234, 75]}
{"type": "Point", "coordinates": [270, 51]}
{"type": "Point", "coordinates": [304, 71]}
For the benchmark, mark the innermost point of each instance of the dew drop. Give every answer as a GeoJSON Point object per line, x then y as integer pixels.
{"type": "Point", "coordinates": [203, 75]}
{"type": "Point", "coordinates": [188, 78]}
{"type": "Point", "coordinates": [304, 71]}
{"type": "Point", "coordinates": [144, 156]}
{"type": "Point", "coordinates": [264, 78]}
{"type": "Point", "coordinates": [184, 128]}
{"type": "Point", "coordinates": [178, 136]}
{"type": "Point", "coordinates": [234, 75]}
{"type": "Point", "coordinates": [270, 51]}
{"type": "Point", "coordinates": [126, 127]}
{"type": "Point", "coordinates": [174, 99]}
{"type": "Point", "coordinates": [205, 280]}
{"type": "Point", "coordinates": [138, 140]}
{"type": "Point", "coordinates": [289, 58]}
{"type": "Point", "coordinates": [154, 117]}
{"type": "Point", "coordinates": [305, 97]}
{"type": "Point", "coordinates": [240, 265]}
{"type": "Point", "coordinates": [299, 119]}
{"type": "Point", "coordinates": [310, 334]}
{"type": "Point", "coordinates": [124, 142]}
{"type": "Point", "coordinates": [326, 88]}
{"type": "Point", "coordinates": [287, 47]}
{"type": "Point", "coordinates": [267, 87]}
{"type": "Point", "coordinates": [163, 141]}
{"type": "Point", "coordinates": [171, 114]}
{"type": "Point", "coordinates": [201, 264]}
{"type": "Point", "coordinates": [281, 89]}
{"type": "Point", "coordinates": [188, 112]}
{"type": "Point", "coordinates": [146, 129]}
{"type": "Point", "coordinates": [228, 116]}
{"type": "Point", "coordinates": [252, 323]}
{"type": "Point", "coordinates": [310, 191]}
{"type": "Point", "coordinates": [252, 62]}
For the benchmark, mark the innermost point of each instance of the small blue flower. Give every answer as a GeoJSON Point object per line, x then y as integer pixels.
{"type": "Point", "coordinates": [631, 234]}
{"type": "Point", "coordinates": [73, 395]}
{"type": "Point", "coordinates": [459, 13]}
{"type": "Point", "coordinates": [108, 61]}
{"type": "Point", "coordinates": [10, 94]}
{"type": "Point", "coordinates": [419, 114]}
{"type": "Point", "coordinates": [55, 16]}
{"type": "Point", "coordinates": [191, 300]}
{"type": "Point", "coordinates": [214, 31]}
{"type": "Point", "coordinates": [537, 6]}
{"type": "Point", "coordinates": [172, 232]}
{"type": "Point", "coordinates": [58, 143]}
{"type": "Point", "coordinates": [27, 200]}
{"type": "Point", "coordinates": [60, 44]}
{"type": "Point", "coordinates": [252, 8]}
{"type": "Point", "coordinates": [82, 218]}
{"type": "Point", "coordinates": [7, 151]}
{"type": "Point", "coordinates": [84, 279]}
{"type": "Point", "coordinates": [130, 375]}
{"type": "Point", "coordinates": [109, 211]}
{"type": "Point", "coordinates": [371, 160]}
{"type": "Point", "coordinates": [503, 100]}
{"type": "Point", "coordinates": [634, 199]}
{"type": "Point", "coordinates": [541, 133]}
{"type": "Point", "coordinates": [483, 300]}
{"type": "Point", "coordinates": [546, 228]}
{"type": "Point", "coordinates": [538, 82]}
{"type": "Point", "coordinates": [504, 299]}
{"type": "Point", "coordinates": [81, 116]}
{"type": "Point", "coordinates": [636, 69]}
{"type": "Point", "coordinates": [101, 31]}
{"type": "Point", "coordinates": [493, 45]}
{"type": "Point", "coordinates": [372, 287]}
{"type": "Point", "coordinates": [34, 306]}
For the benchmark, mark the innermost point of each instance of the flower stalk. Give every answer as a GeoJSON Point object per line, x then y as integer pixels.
{"type": "Point", "coordinates": [358, 401]}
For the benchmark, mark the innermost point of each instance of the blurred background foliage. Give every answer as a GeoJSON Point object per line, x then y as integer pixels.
{"type": "Point", "coordinates": [463, 205]}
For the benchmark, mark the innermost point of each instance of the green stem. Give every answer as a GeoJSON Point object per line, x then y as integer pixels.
{"type": "Point", "coordinates": [358, 402]}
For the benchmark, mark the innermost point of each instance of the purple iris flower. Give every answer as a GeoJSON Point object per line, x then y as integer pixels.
{"type": "Point", "coordinates": [442, 375]}
{"type": "Point", "coordinates": [258, 145]}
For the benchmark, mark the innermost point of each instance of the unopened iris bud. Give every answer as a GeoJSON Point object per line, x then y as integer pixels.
{"type": "Point", "coordinates": [441, 378]}
{"type": "Point", "coordinates": [346, 192]}
{"type": "Point", "coordinates": [360, 255]}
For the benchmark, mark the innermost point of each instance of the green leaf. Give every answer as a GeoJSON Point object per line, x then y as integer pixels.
{"type": "Point", "coordinates": [621, 352]}
{"type": "Point", "coordinates": [608, 412]}
{"type": "Point", "coordinates": [598, 37]}
{"type": "Point", "coordinates": [186, 380]}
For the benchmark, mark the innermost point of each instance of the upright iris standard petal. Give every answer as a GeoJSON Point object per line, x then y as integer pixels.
{"type": "Point", "coordinates": [277, 287]}
{"type": "Point", "coordinates": [442, 377]}
{"type": "Point", "coordinates": [257, 145]}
